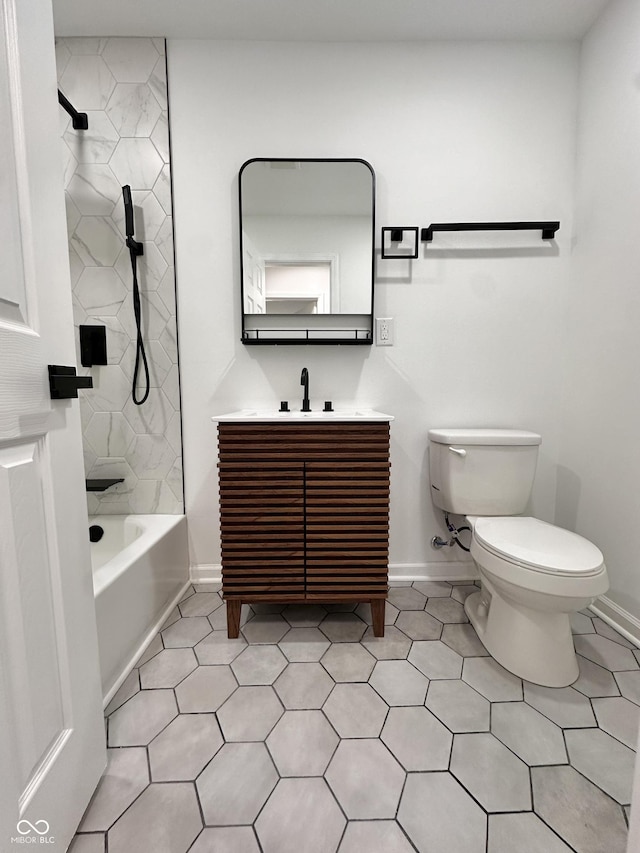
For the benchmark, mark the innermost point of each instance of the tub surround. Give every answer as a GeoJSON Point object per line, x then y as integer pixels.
{"type": "Point", "coordinates": [121, 84]}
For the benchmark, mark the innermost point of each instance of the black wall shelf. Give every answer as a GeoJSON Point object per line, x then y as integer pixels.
{"type": "Point", "coordinates": [101, 485]}
{"type": "Point", "coordinates": [548, 228]}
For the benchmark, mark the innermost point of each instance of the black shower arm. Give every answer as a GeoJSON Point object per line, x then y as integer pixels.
{"type": "Point", "coordinates": [80, 120]}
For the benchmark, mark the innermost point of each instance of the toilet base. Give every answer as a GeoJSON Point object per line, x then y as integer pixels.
{"type": "Point", "coordinates": [533, 644]}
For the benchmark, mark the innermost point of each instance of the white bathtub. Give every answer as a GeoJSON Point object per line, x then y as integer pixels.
{"type": "Point", "coordinates": [140, 571]}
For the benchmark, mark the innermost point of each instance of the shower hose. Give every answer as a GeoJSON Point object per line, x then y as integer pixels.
{"type": "Point", "coordinates": [141, 356]}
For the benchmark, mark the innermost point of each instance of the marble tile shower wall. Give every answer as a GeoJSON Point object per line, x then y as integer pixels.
{"type": "Point", "coordinates": [121, 84]}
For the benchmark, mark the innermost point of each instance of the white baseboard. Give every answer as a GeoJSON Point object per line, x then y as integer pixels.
{"type": "Point", "coordinates": [461, 570]}
{"type": "Point", "coordinates": [619, 618]}
{"type": "Point", "coordinates": [206, 573]}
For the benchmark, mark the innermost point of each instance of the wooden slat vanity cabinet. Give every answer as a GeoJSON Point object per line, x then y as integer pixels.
{"type": "Point", "coordinates": [304, 510]}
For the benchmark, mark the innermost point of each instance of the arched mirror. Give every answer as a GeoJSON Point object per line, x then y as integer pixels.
{"type": "Point", "coordinates": [306, 242]}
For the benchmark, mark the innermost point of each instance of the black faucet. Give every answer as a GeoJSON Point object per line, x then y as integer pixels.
{"type": "Point", "coordinates": [304, 380]}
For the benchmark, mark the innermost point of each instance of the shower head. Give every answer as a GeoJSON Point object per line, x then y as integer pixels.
{"type": "Point", "coordinates": [128, 210]}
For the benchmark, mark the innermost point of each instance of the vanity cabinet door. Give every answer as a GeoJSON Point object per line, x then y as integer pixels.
{"type": "Point", "coordinates": [347, 530]}
{"type": "Point", "coordinates": [262, 527]}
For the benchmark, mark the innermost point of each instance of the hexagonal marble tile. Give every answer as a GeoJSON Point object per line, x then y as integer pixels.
{"type": "Point", "coordinates": [459, 706]}
{"type": "Point", "coordinates": [462, 638]}
{"type": "Point", "coordinates": [184, 748]}
{"type": "Point", "coordinates": [109, 433]}
{"type": "Point", "coordinates": [226, 839]}
{"type": "Point", "coordinates": [355, 711]}
{"type": "Point", "coordinates": [140, 719]}
{"type": "Point", "coordinates": [343, 627]}
{"type": "Point", "coordinates": [304, 644]}
{"type": "Point", "coordinates": [185, 633]}
{"type": "Point", "coordinates": [265, 628]}
{"type": "Point", "coordinates": [439, 816]}
{"type": "Point", "coordinates": [594, 680]}
{"type": "Point", "coordinates": [130, 60]}
{"type": "Point", "coordinates": [578, 811]}
{"type": "Point", "coordinates": [258, 665]}
{"type": "Point", "coordinates": [366, 779]}
{"type": "Point", "coordinates": [490, 679]}
{"type": "Point", "coordinates": [602, 759]}
{"type": "Point", "coordinates": [364, 612]}
{"type": "Point", "coordinates": [522, 833]}
{"type": "Point", "coordinates": [619, 717]}
{"type": "Point", "coordinates": [419, 625]}
{"type": "Point", "coordinates": [304, 615]}
{"type": "Point", "coordinates": [250, 714]}
{"type": "Point", "coordinates": [605, 652]}
{"type": "Point", "coordinates": [382, 835]}
{"type": "Point", "coordinates": [165, 818]}
{"type": "Point", "coordinates": [446, 610]}
{"type": "Point", "coordinates": [497, 779]}
{"type": "Point", "coordinates": [393, 646]}
{"type": "Point", "coordinates": [303, 686]}
{"type": "Point", "coordinates": [126, 776]}
{"type": "Point", "coordinates": [534, 738]}
{"type": "Point", "coordinates": [168, 668]}
{"type": "Point", "coordinates": [100, 290]}
{"type": "Point", "coordinates": [417, 739]}
{"type": "Point", "coordinates": [302, 743]}
{"type": "Point", "coordinates": [217, 648]}
{"type": "Point", "coordinates": [407, 598]}
{"type": "Point", "coordinates": [348, 662]}
{"type": "Point", "coordinates": [236, 784]}
{"type": "Point", "coordinates": [205, 689]}
{"type": "Point", "coordinates": [435, 660]}
{"type": "Point", "coordinates": [399, 683]}
{"type": "Point", "coordinates": [434, 589]}
{"type": "Point", "coordinates": [200, 604]}
{"type": "Point", "coordinates": [136, 162]}
{"type": "Point", "coordinates": [564, 705]}
{"type": "Point", "coordinates": [301, 814]}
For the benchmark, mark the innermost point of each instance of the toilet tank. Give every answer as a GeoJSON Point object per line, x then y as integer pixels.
{"type": "Point", "coordinates": [482, 471]}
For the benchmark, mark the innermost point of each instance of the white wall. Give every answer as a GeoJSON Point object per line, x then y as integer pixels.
{"type": "Point", "coordinates": [599, 483]}
{"type": "Point", "coordinates": [455, 132]}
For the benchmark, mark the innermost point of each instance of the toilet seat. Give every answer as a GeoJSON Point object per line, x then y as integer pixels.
{"type": "Point", "coordinates": [538, 546]}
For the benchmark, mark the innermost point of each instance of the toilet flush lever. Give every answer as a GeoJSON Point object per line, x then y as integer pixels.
{"type": "Point", "coordinates": [459, 451]}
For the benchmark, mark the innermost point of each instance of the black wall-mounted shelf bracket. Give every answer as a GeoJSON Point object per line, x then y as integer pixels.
{"type": "Point", "coordinates": [548, 228]}
{"type": "Point", "coordinates": [80, 121]}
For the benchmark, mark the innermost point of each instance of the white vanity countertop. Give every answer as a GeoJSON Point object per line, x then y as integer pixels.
{"type": "Point", "coordinates": [274, 416]}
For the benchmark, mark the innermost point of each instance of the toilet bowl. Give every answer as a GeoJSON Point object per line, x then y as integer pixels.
{"type": "Point", "coordinates": [533, 573]}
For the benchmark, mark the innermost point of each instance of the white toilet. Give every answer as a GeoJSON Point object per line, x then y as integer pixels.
{"type": "Point", "coordinates": [533, 573]}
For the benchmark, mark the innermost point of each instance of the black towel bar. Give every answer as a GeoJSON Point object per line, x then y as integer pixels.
{"type": "Point", "coordinates": [548, 228]}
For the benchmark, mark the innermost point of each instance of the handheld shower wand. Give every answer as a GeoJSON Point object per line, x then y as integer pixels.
{"type": "Point", "coordinates": [135, 250]}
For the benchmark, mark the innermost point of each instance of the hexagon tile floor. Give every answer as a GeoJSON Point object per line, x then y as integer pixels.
{"type": "Point", "coordinates": [309, 735]}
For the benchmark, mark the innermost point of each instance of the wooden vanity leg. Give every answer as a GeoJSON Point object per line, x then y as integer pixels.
{"type": "Point", "coordinates": [234, 606]}
{"type": "Point", "coordinates": [377, 615]}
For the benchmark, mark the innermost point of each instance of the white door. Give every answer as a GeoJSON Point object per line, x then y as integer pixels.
{"type": "Point", "coordinates": [51, 730]}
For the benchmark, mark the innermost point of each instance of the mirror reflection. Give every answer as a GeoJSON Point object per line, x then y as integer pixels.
{"type": "Point", "coordinates": [307, 237]}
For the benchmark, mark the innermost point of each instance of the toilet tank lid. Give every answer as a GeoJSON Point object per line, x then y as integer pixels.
{"type": "Point", "coordinates": [495, 437]}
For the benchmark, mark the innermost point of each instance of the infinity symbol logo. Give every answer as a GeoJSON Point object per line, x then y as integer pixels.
{"type": "Point", "coordinates": [41, 827]}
